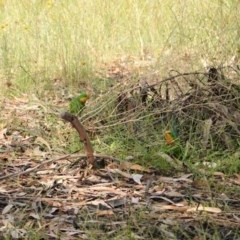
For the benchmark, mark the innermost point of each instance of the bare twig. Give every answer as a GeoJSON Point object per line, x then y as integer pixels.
{"type": "Point", "coordinates": [34, 168]}
{"type": "Point", "coordinates": [55, 160]}
{"type": "Point", "coordinates": [82, 134]}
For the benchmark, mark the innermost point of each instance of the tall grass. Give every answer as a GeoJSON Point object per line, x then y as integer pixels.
{"type": "Point", "coordinates": [41, 40]}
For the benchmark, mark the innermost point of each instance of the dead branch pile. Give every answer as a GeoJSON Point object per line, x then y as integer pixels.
{"type": "Point", "coordinates": [204, 107]}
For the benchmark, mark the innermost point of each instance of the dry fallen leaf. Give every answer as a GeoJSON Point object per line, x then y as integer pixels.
{"type": "Point", "coordinates": [7, 209]}
{"type": "Point", "coordinates": [101, 213]}
{"type": "Point", "coordinates": [204, 209]}
{"type": "Point", "coordinates": [116, 202]}
{"type": "Point", "coordinates": [34, 215]}
{"type": "Point", "coordinates": [135, 200]}
{"type": "Point", "coordinates": [133, 166]}
{"type": "Point", "coordinates": [117, 171]}
{"type": "Point", "coordinates": [99, 204]}
{"type": "Point", "coordinates": [163, 207]}
{"type": "Point", "coordinates": [137, 178]}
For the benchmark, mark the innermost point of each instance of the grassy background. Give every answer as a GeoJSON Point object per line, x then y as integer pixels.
{"type": "Point", "coordinates": [43, 40]}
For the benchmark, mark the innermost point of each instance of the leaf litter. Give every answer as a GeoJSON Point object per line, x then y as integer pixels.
{"type": "Point", "coordinates": [42, 188]}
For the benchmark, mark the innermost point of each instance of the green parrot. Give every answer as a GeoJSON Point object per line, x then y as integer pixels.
{"type": "Point", "coordinates": [172, 134]}
{"type": "Point", "coordinates": [78, 103]}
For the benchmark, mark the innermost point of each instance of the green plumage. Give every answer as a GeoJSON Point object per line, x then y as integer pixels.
{"type": "Point", "coordinates": [78, 103]}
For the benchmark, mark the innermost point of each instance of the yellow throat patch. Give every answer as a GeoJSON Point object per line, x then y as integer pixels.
{"type": "Point", "coordinates": [169, 140]}
{"type": "Point", "coordinates": [84, 99]}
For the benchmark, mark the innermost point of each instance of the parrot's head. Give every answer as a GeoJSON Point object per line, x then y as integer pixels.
{"type": "Point", "coordinates": [83, 97]}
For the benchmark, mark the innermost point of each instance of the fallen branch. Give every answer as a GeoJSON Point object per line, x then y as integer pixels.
{"type": "Point", "coordinates": [34, 168]}
{"type": "Point", "coordinates": [55, 160]}
{"type": "Point", "coordinates": [82, 134]}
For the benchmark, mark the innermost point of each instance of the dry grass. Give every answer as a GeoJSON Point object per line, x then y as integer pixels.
{"type": "Point", "coordinates": [46, 40]}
